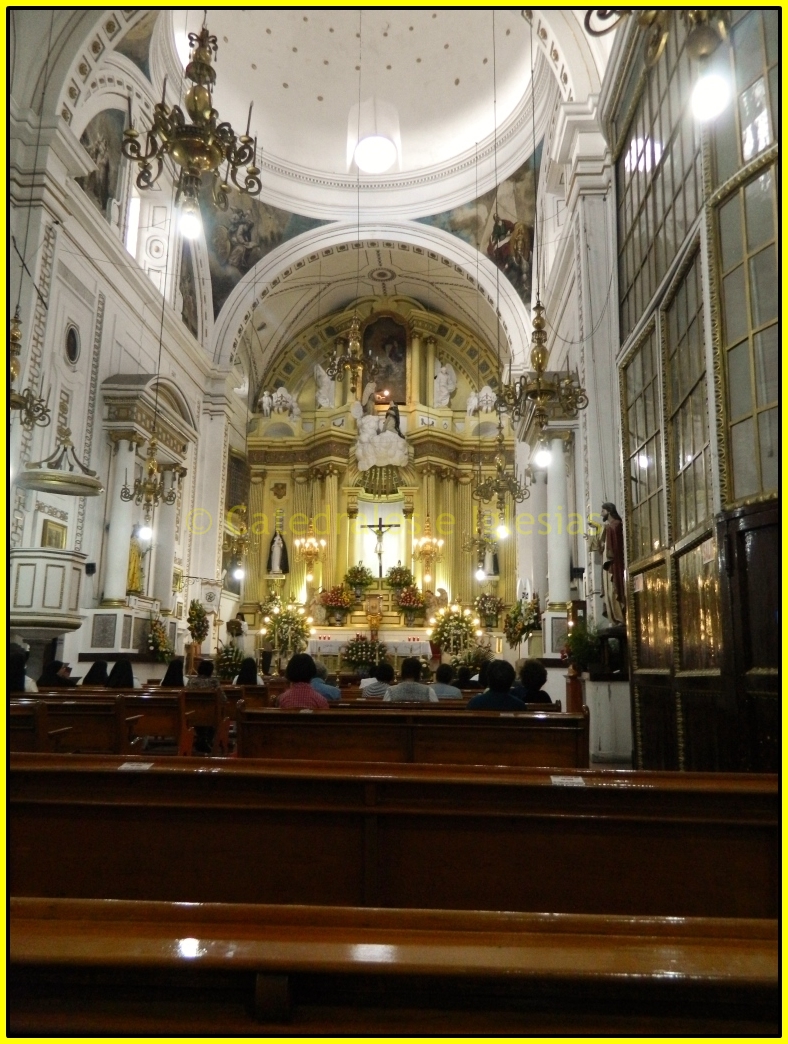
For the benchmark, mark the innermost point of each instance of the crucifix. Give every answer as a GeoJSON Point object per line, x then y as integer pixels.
{"type": "Point", "coordinates": [380, 531]}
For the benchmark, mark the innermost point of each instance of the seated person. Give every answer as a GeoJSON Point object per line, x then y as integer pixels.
{"type": "Point", "coordinates": [18, 680]}
{"type": "Point", "coordinates": [248, 675]}
{"type": "Point", "coordinates": [500, 676]}
{"type": "Point", "coordinates": [442, 686]}
{"type": "Point", "coordinates": [204, 679]}
{"type": "Point", "coordinates": [410, 688]}
{"type": "Point", "coordinates": [464, 680]}
{"type": "Point", "coordinates": [97, 674]}
{"type": "Point", "coordinates": [382, 679]}
{"type": "Point", "coordinates": [57, 675]}
{"type": "Point", "coordinates": [122, 676]}
{"type": "Point", "coordinates": [319, 683]}
{"type": "Point", "coordinates": [300, 672]}
{"type": "Point", "coordinates": [533, 675]}
{"type": "Point", "coordinates": [173, 676]}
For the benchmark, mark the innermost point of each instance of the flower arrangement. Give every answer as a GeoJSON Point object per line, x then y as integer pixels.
{"type": "Point", "coordinates": [359, 576]}
{"type": "Point", "coordinates": [287, 629]}
{"type": "Point", "coordinates": [488, 605]}
{"type": "Point", "coordinates": [338, 597]}
{"type": "Point", "coordinates": [158, 642]}
{"type": "Point", "coordinates": [582, 647]}
{"type": "Point", "coordinates": [271, 605]}
{"type": "Point", "coordinates": [400, 576]}
{"type": "Point", "coordinates": [229, 660]}
{"type": "Point", "coordinates": [454, 630]}
{"type": "Point", "coordinates": [363, 652]}
{"type": "Point", "coordinates": [474, 656]}
{"type": "Point", "coordinates": [197, 621]}
{"type": "Point", "coordinates": [410, 599]}
{"type": "Point", "coordinates": [518, 623]}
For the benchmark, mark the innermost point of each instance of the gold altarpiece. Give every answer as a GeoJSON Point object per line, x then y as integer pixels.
{"type": "Point", "coordinates": [303, 465]}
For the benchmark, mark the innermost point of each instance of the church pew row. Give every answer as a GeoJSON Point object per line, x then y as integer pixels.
{"type": "Point", "coordinates": [441, 736]}
{"type": "Point", "coordinates": [98, 967]}
{"type": "Point", "coordinates": [28, 728]}
{"type": "Point", "coordinates": [89, 726]}
{"type": "Point", "coordinates": [423, 836]}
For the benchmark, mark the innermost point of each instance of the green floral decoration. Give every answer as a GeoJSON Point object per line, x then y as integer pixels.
{"type": "Point", "coordinates": [488, 604]}
{"type": "Point", "coordinates": [229, 660]}
{"type": "Point", "coordinates": [582, 647]}
{"type": "Point", "coordinates": [518, 623]}
{"type": "Point", "coordinates": [197, 621]}
{"type": "Point", "coordinates": [158, 642]}
{"type": "Point", "coordinates": [287, 630]}
{"type": "Point", "coordinates": [359, 576]}
{"type": "Point", "coordinates": [363, 652]}
{"type": "Point", "coordinates": [400, 576]}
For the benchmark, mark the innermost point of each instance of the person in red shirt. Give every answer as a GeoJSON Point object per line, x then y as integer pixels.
{"type": "Point", "coordinates": [301, 696]}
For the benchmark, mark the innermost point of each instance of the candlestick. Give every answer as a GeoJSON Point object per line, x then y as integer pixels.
{"type": "Point", "coordinates": [249, 119]}
{"type": "Point", "coordinates": [131, 121]}
{"type": "Point", "coordinates": [164, 91]}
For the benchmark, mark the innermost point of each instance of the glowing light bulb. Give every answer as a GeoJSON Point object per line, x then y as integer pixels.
{"type": "Point", "coordinates": [501, 531]}
{"type": "Point", "coordinates": [475, 621]}
{"type": "Point", "coordinates": [433, 620]}
{"type": "Point", "coordinates": [374, 154]}
{"type": "Point", "coordinates": [429, 631]}
{"type": "Point", "coordinates": [266, 619]}
{"type": "Point", "coordinates": [190, 223]}
{"type": "Point", "coordinates": [301, 612]}
{"type": "Point", "coordinates": [146, 533]}
{"type": "Point", "coordinates": [427, 578]}
{"type": "Point", "coordinates": [466, 612]}
{"type": "Point", "coordinates": [543, 456]}
{"type": "Point", "coordinates": [309, 578]}
{"type": "Point", "coordinates": [238, 573]}
{"type": "Point", "coordinates": [312, 630]}
{"type": "Point", "coordinates": [479, 634]}
{"type": "Point", "coordinates": [480, 574]}
{"type": "Point", "coordinates": [310, 619]}
{"type": "Point", "coordinates": [710, 96]}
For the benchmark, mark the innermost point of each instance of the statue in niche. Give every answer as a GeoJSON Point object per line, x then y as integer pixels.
{"type": "Point", "coordinates": [316, 609]}
{"type": "Point", "coordinates": [282, 401]}
{"type": "Point", "coordinates": [444, 385]}
{"type": "Point", "coordinates": [324, 389]}
{"type": "Point", "coordinates": [265, 404]}
{"type": "Point", "coordinates": [379, 445]}
{"type": "Point", "coordinates": [608, 541]}
{"type": "Point", "coordinates": [134, 573]}
{"type": "Point", "coordinates": [278, 561]}
{"type": "Point", "coordinates": [434, 602]}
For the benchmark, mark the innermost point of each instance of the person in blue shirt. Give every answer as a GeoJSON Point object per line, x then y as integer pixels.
{"type": "Point", "coordinates": [318, 683]}
{"type": "Point", "coordinates": [497, 696]}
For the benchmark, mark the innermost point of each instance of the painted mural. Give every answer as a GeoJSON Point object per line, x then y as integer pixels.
{"type": "Point", "coordinates": [135, 45]}
{"type": "Point", "coordinates": [101, 140]}
{"type": "Point", "coordinates": [385, 348]}
{"type": "Point", "coordinates": [188, 289]}
{"type": "Point", "coordinates": [505, 236]}
{"type": "Point", "coordinates": [242, 235]}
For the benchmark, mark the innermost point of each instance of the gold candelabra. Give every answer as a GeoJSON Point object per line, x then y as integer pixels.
{"type": "Point", "coordinates": [309, 550]}
{"type": "Point", "coordinates": [197, 147]}
{"type": "Point", "coordinates": [33, 410]}
{"type": "Point", "coordinates": [350, 360]}
{"type": "Point", "coordinates": [428, 550]}
{"type": "Point", "coordinates": [150, 490]}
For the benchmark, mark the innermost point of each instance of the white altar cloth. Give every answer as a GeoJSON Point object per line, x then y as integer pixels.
{"type": "Point", "coordinates": [327, 641]}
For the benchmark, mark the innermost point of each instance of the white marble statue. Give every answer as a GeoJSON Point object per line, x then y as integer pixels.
{"type": "Point", "coordinates": [276, 554]}
{"type": "Point", "coordinates": [243, 387]}
{"type": "Point", "coordinates": [379, 444]}
{"type": "Point", "coordinates": [324, 389]}
{"type": "Point", "coordinates": [294, 411]}
{"type": "Point", "coordinates": [368, 397]}
{"type": "Point", "coordinates": [445, 383]}
{"type": "Point", "coordinates": [265, 404]}
{"type": "Point", "coordinates": [481, 402]}
{"type": "Point", "coordinates": [282, 401]}
{"type": "Point", "coordinates": [316, 609]}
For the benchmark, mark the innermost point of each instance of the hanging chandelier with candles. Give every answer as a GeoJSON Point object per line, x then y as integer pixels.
{"type": "Point", "coordinates": [480, 544]}
{"type": "Point", "coordinates": [150, 490]}
{"type": "Point", "coordinates": [236, 541]}
{"type": "Point", "coordinates": [347, 356]}
{"type": "Point", "coordinates": [428, 550]}
{"type": "Point", "coordinates": [309, 550]}
{"type": "Point", "coordinates": [501, 484]}
{"type": "Point", "coordinates": [197, 147]}
{"type": "Point", "coordinates": [33, 409]}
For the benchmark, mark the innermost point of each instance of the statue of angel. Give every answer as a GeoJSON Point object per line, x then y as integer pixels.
{"type": "Point", "coordinates": [368, 397]}
{"type": "Point", "coordinates": [445, 383]}
{"type": "Point", "coordinates": [486, 399]}
{"type": "Point", "coordinates": [324, 389]}
{"type": "Point", "coordinates": [265, 404]}
{"type": "Point", "coordinates": [282, 401]}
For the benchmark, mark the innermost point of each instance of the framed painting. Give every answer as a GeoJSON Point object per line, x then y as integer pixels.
{"type": "Point", "coordinates": [53, 534]}
{"type": "Point", "coordinates": [384, 342]}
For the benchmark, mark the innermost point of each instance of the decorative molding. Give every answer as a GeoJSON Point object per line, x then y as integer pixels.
{"type": "Point", "coordinates": [53, 512]}
{"type": "Point", "coordinates": [91, 414]}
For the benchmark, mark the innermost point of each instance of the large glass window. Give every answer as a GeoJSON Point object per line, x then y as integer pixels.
{"type": "Point", "coordinates": [644, 449]}
{"type": "Point", "coordinates": [746, 230]}
{"type": "Point", "coordinates": [690, 470]}
{"type": "Point", "coordinates": [659, 178]}
{"type": "Point", "coordinates": [748, 59]}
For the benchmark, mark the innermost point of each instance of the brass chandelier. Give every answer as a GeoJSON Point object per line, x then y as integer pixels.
{"type": "Point", "coordinates": [309, 550]}
{"type": "Point", "coordinates": [33, 409]}
{"type": "Point", "coordinates": [150, 490]}
{"type": "Point", "coordinates": [347, 356]}
{"type": "Point", "coordinates": [236, 540]}
{"type": "Point", "coordinates": [501, 485]}
{"type": "Point", "coordinates": [706, 28]}
{"type": "Point", "coordinates": [552, 396]}
{"type": "Point", "coordinates": [198, 147]}
{"type": "Point", "coordinates": [428, 550]}
{"type": "Point", "coordinates": [480, 544]}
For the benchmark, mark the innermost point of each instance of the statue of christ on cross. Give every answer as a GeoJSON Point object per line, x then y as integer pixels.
{"type": "Point", "coordinates": [380, 531]}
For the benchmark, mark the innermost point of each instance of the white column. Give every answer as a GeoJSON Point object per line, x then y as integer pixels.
{"type": "Point", "coordinates": [121, 520]}
{"type": "Point", "coordinates": [538, 502]}
{"type": "Point", "coordinates": [557, 539]}
{"type": "Point", "coordinates": [164, 555]}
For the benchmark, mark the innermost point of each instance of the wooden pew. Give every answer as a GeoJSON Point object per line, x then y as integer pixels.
{"type": "Point", "coordinates": [95, 967]}
{"type": "Point", "coordinates": [160, 714]}
{"type": "Point", "coordinates": [209, 709]}
{"type": "Point", "coordinates": [28, 727]}
{"type": "Point", "coordinates": [404, 735]}
{"type": "Point", "coordinates": [418, 836]}
{"type": "Point", "coordinates": [91, 725]}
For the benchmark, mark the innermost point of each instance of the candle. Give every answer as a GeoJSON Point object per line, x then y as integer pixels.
{"type": "Point", "coordinates": [130, 119]}
{"type": "Point", "coordinates": [249, 119]}
{"type": "Point", "coordinates": [164, 90]}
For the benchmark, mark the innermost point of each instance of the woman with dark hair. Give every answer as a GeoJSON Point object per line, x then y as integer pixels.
{"type": "Point", "coordinates": [533, 676]}
{"type": "Point", "coordinates": [56, 676]}
{"type": "Point", "coordinates": [173, 676]}
{"type": "Point", "coordinates": [300, 672]}
{"type": "Point", "coordinates": [248, 673]}
{"type": "Point", "coordinates": [122, 677]}
{"type": "Point", "coordinates": [97, 674]}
